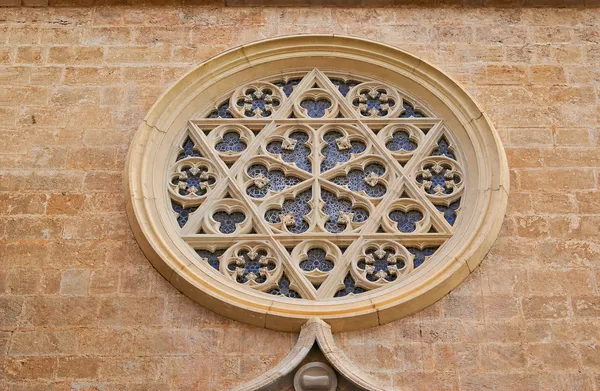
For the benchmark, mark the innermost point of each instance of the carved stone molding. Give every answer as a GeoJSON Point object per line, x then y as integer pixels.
{"type": "Point", "coordinates": [316, 176]}
{"type": "Point", "coordinates": [315, 331]}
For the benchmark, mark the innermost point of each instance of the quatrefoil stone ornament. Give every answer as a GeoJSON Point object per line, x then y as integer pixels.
{"type": "Point", "coordinates": [298, 178]}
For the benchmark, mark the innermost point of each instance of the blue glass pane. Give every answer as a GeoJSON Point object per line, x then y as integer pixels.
{"type": "Point", "coordinates": [450, 212]}
{"type": "Point", "coordinates": [401, 142]}
{"type": "Point", "coordinates": [221, 112]}
{"type": "Point", "coordinates": [182, 213]}
{"type": "Point", "coordinates": [380, 265]}
{"type": "Point", "coordinates": [438, 180]}
{"type": "Point", "coordinates": [283, 289]}
{"type": "Point", "coordinates": [231, 143]}
{"type": "Point", "coordinates": [211, 257]}
{"type": "Point", "coordinates": [409, 111]}
{"type": "Point", "coordinates": [193, 181]}
{"type": "Point", "coordinates": [288, 87]}
{"type": "Point", "coordinates": [297, 153]}
{"type": "Point", "coordinates": [443, 148]}
{"type": "Point", "coordinates": [334, 154]}
{"type": "Point", "coordinates": [258, 102]}
{"type": "Point", "coordinates": [298, 208]}
{"type": "Point", "coordinates": [274, 180]}
{"type": "Point", "coordinates": [376, 103]}
{"type": "Point", "coordinates": [253, 266]}
{"type": "Point", "coordinates": [367, 180]}
{"type": "Point", "coordinates": [406, 220]}
{"type": "Point", "coordinates": [189, 150]}
{"type": "Point", "coordinates": [349, 287]}
{"type": "Point", "coordinates": [316, 261]}
{"type": "Point", "coordinates": [421, 255]}
{"type": "Point", "coordinates": [315, 108]}
{"type": "Point", "coordinates": [344, 86]}
{"type": "Point", "coordinates": [228, 221]}
{"type": "Point", "coordinates": [335, 208]}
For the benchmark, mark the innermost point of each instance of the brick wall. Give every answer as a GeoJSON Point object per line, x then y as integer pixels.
{"type": "Point", "coordinates": [82, 309]}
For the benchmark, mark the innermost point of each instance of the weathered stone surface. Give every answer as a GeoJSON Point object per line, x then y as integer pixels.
{"type": "Point", "coordinates": [80, 306]}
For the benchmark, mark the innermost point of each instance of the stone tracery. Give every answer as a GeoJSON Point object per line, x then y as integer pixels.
{"type": "Point", "coordinates": [308, 157]}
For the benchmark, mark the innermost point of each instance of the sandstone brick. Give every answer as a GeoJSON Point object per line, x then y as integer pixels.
{"type": "Point", "coordinates": [50, 282]}
{"type": "Point", "coordinates": [75, 55]}
{"type": "Point", "coordinates": [586, 306]}
{"type": "Point", "coordinates": [572, 137]}
{"type": "Point", "coordinates": [503, 356]}
{"type": "Point", "coordinates": [42, 180]}
{"type": "Point", "coordinates": [4, 342]}
{"type": "Point", "coordinates": [103, 181]}
{"type": "Point", "coordinates": [107, 36]}
{"type": "Point", "coordinates": [16, 204]}
{"type": "Point", "coordinates": [24, 35]}
{"type": "Point", "coordinates": [573, 253]}
{"type": "Point", "coordinates": [501, 381]}
{"type": "Point", "coordinates": [554, 203]}
{"type": "Point", "coordinates": [61, 204]}
{"type": "Point", "coordinates": [22, 281]}
{"type": "Point", "coordinates": [43, 343]}
{"type": "Point", "coordinates": [542, 307]}
{"type": "Point", "coordinates": [59, 311]}
{"type": "Point", "coordinates": [590, 355]}
{"type": "Point", "coordinates": [501, 307]}
{"type": "Point", "coordinates": [547, 74]}
{"type": "Point", "coordinates": [554, 356]}
{"type": "Point", "coordinates": [30, 368]}
{"type": "Point", "coordinates": [136, 54]}
{"type": "Point", "coordinates": [551, 34]}
{"type": "Point", "coordinates": [67, 96]}
{"type": "Point", "coordinates": [589, 202]}
{"type": "Point", "coordinates": [61, 35]}
{"type": "Point", "coordinates": [78, 367]}
{"type": "Point", "coordinates": [532, 226]}
{"type": "Point", "coordinates": [96, 227]}
{"type": "Point", "coordinates": [463, 307]}
{"type": "Point", "coordinates": [558, 179]}
{"type": "Point", "coordinates": [89, 158]}
{"type": "Point", "coordinates": [29, 55]}
{"type": "Point", "coordinates": [103, 282]}
{"type": "Point", "coordinates": [104, 203]}
{"type": "Point", "coordinates": [440, 331]}
{"type": "Point", "coordinates": [138, 311]}
{"type": "Point", "coordinates": [584, 227]}
{"type": "Point", "coordinates": [507, 34]}
{"type": "Point", "coordinates": [33, 228]}
{"type": "Point", "coordinates": [557, 282]}
{"type": "Point", "coordinates": [71, 254]}
{"type": "Point", "coordinates": [75, 282]}
{"type": "Point", "coordinates": [571, 157]}
{"type": "Point", "coordinates": [10, 311]}
{"type": "Point", "coordinates": [130, 369]}
{"type": "Point", "coordinates": [519, 203]}
{"type": "Point", "coordinates": [521, 157]}
{"type": "Point", "coordinates": [452, 357]}
{"type": "Point", "coordinates": [502, 74]}
{"type": "Point", "coordinates": [530, 137]}
{"type": "Point", "coordinates": [105, 342]}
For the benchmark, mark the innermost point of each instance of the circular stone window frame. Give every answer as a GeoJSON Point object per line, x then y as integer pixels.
{"type": "Point", "coordinates": [487, 181]}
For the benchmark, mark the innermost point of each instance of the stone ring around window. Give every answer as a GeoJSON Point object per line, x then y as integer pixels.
{"type": "Point", "coordinates": [316, 176]}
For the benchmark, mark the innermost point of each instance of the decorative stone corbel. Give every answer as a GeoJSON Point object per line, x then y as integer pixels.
{"type": "Point", "coordinates": [281, 377]}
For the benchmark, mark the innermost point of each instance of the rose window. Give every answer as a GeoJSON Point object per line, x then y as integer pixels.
{"type": "Point", "coordinates": [315, 177]}
{"type": "Point", "coordinates": [308, 189]}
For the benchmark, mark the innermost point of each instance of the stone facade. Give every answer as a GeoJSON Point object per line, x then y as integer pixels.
{"type": "Point", "coordinates": [82, 309]}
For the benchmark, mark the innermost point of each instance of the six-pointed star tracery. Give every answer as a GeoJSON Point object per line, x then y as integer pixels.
{"type": "Point", "coordinates": [316, 185]}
